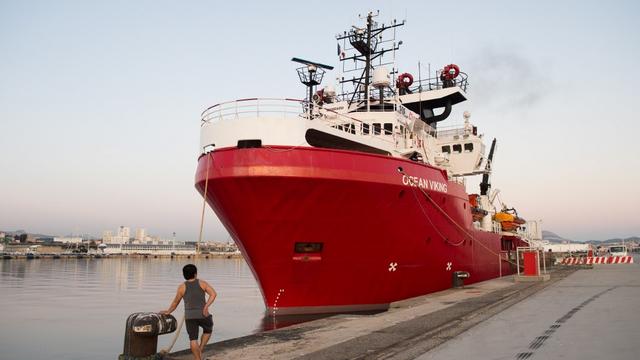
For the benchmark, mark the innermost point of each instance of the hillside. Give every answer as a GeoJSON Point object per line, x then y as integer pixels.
{"type": "Point", "coordinates": [554, 238]}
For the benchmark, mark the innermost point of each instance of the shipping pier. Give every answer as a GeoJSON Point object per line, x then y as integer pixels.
{"type": "Point", "coordinates": [584, 311]}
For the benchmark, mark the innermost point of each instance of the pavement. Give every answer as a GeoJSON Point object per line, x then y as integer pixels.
{"type": "Point", "coordinates": [591, 314]}
{"type": "Point", "coordinates": [411, 329]}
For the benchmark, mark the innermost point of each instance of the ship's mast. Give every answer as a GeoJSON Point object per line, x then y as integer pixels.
{"type": "Point", "coordinates": [365, 42]}
{"type": "Point", "coordinates": [311, 75]}
{"type": "Point", "coordinates": [368, 61]}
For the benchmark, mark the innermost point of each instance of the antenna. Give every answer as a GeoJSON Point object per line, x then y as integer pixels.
{"type": "Point", "coordinates": [307, 62]}
{"type": "Point", "coordinates": [361, 46]}
{"type": "Point", "coordinates": [311, 75]}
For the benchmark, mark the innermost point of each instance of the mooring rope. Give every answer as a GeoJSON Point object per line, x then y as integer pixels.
{"type": "Point", "coordinates": [204, 204]}
{"type": "Point", "coordinates": [433, 202]}
{"type": "Point", "coordinates": [175, 338]}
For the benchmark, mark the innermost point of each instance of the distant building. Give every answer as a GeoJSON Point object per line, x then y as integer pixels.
{"type": "Point", "coordinates": [68, 240]}
{"type": "Point", "coordinates": [140, 235]}
{"type": "Point", "coordinates": [23, 237]}
{"type": "Point", "coordinates": [123, 237]}
{"type": "Point", "coordinates": [141, 238]}
{"type": "Point", "coordinates": [149, 249]}
{"type": "Point", "coordinates": [124, 232]}
{"type": "Point", "coordinates": [106, 236]}
{"type": "Point", "coordinates": [570, 247]}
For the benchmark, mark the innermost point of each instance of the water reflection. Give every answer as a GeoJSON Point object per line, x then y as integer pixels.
{"type": "Point", "coordinates": [77, 308]}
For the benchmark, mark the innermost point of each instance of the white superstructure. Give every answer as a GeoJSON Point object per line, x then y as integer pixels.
{"type": "Point", "coordinates": [385, 113]}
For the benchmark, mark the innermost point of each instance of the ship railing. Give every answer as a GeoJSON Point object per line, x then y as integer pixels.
{"type": "Point", "coordinates": [453, 130]}
{"type": "Point", "coordinates": [435, 83]}
{"type": "Point", "coordinates": [410, 117]}
{"type": "Point", "coordinates": [419, 85]}
{"type": "Point", "coordinates": [496, 227]}
{"type": "Point", "coordinates": [459, 179]}
{"type": "Point", "coordinates": [253, 107]}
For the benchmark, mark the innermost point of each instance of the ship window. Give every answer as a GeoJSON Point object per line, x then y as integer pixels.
{"type": "Point", "coordinates": [388, 128]}
{"type": "Point", "coordinates": [352, 128]}
{"type": "Point", "coordinates": [457, 148]}
{"type": "Point", "coordinates": [468, 147]}
{"type": "Point", "coordinates": [365, 129]}
{"type": "Point", "coordinates": [446, 149]}
{"type": "Point", "coordinates": [376, 128]}
{"type": "Point", "coordinates": [308, 247]}
{"type": "Point", "coordinates": [246, 144]}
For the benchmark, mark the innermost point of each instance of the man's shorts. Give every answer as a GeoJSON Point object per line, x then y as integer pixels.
{"type": "Point", "coordinates": [193, 324]}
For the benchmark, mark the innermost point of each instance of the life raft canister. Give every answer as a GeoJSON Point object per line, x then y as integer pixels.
{"type": "Point", "coordinates": [447, 72]}
{"type": "Point", "coordinates": [404, 80]}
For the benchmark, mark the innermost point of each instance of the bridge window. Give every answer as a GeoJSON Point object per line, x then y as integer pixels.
{"type": "Point", "coordinates": [350, 128]}
{"type": "Point", "coordinates": [388, 128]}
{"type": "Point", "coordinates": [377, 127]}
{"type": "Point", "coordinates": [457, 148]}
{"type": "Point", "coordinates": [446, 149]}
{"type": "Point", "coordinates": [468, 147]}
{"type": "Point", "coordinates": [365, 129]}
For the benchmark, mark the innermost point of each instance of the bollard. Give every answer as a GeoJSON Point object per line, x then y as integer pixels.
{"type": "Point", "coordinates": [141, 334]}
{"type": "Point", "coordinates": [458, 278]}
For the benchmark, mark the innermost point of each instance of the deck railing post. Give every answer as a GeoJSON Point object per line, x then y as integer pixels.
{"type": "Point", "coordinates": [518, 259]}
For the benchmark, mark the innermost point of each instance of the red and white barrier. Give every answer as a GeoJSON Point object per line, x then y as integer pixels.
{"type": "Point", "coordinates": [597, 260]}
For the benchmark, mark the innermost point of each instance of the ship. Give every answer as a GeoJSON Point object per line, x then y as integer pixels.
{"type": "Point", "coordinates": [356, 196]}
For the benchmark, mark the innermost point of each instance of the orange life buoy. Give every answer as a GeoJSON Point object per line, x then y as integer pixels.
{"type": "Point", "coordinates": [448, 74]}
{"type": "Point", "coordinates": [404, 80]}
{"type": "Point", "coordinates": [473, 200]}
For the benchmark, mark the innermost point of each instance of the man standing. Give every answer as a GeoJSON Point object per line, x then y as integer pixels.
{"type": "Point", "coordinates": [196, 310]}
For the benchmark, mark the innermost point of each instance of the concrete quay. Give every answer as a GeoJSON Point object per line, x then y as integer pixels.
{"type": "Point", "coordinates": [410, 329]}
{"type": "Point", "coordinates": [590, 315]}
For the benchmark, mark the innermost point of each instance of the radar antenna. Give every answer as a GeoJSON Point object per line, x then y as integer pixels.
{"type": "Point", "coordinates": [311, 75]}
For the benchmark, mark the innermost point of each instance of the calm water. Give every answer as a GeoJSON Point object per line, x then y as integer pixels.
{"type": "Point", "coordinates": [76, 308]}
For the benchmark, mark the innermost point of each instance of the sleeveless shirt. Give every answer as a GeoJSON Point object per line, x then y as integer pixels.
{"type": "Point", "coordinates": [193, 300]}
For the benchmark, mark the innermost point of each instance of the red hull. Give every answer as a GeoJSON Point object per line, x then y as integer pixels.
{"type": "Point", "coordinates": [382, 240]}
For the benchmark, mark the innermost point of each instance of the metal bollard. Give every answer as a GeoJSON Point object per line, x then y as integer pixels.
{"type": "Point", "coordinates": [141, 334]}
{"type": "Point", "coordinates": [458, 278]}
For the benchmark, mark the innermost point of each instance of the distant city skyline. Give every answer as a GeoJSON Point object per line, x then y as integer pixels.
{"type": "Point", "coordinates": [123, 232]}
{"type": "Point", "coordinates": [100, 102]}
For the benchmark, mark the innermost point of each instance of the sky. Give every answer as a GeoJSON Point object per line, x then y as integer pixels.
{"type": "Point", "coordinates": [100, 101]}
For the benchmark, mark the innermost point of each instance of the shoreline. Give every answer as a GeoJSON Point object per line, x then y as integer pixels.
{"type": "Point", "coordinates": [59, 256]}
